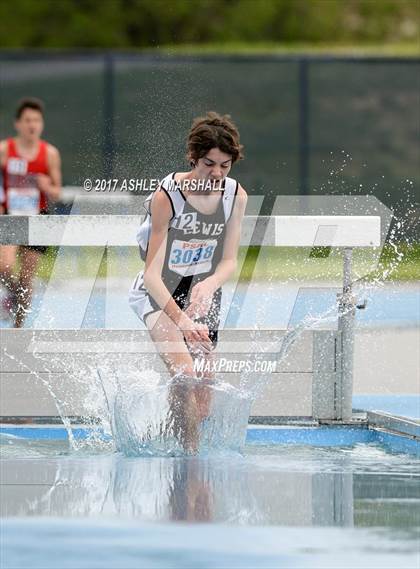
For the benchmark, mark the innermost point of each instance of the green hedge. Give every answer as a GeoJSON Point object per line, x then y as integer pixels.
{"type": "Point", "coordinates": [152, 23]}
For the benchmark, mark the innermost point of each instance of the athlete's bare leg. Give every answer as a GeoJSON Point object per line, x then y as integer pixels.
{"type": "Point", "coordinates": [190, 404]}
{"type": "Point", "coordinates": [167, 336]}
{"type": "Point", "coordinates": [29, 260]}
{"type": "Point", "coordinates": [8, 277]}
{"type": "Point", "coordinates": [170, 344]}
{"type": "Point", "coordinates": [202, 390]}
{"type": "Point", "coordinates": [8, 255]}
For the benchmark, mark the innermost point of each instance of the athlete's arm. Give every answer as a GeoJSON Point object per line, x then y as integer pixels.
{"type": "Point", "coordinates": [161, 212]}
{"type": "Point", "coordinates": [227, 266]}
{"type": "Point", "coordinates": [204, 290]}
{"type": "Point", "coordinates": [3, 152]}
{"type": "Point", "coordinates": [51, 184]}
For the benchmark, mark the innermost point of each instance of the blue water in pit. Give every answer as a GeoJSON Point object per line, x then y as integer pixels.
{"type": "Point", "coordinates": [273, 506]}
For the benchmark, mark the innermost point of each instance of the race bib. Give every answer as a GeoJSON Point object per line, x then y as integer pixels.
{"type": "Point", "coordinates": [17, 166]}
{"type": "Point", "coordinates": [23, 201]}
{"type": "Point", "coordinates": [192, 257]}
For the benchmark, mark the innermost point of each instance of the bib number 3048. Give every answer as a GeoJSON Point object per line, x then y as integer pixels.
{"type": "Point", "coordinates": [192, 257]}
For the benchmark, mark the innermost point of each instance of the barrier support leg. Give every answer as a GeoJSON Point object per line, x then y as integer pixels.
{"type": "Point", "coordinates": [346, 315]}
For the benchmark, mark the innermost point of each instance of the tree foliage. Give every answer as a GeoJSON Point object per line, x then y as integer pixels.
{"type": "Point", "coordinates": [150, 23]}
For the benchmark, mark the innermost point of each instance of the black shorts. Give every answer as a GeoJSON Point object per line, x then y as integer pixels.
{"type": "Point", "coordinates": [39, 248]}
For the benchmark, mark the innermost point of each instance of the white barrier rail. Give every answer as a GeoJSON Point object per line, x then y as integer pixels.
{"type": "Point", "coordinates": [120, 230]}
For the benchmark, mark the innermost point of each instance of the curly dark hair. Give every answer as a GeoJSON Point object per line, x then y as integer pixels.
{"type": "Point", "coordinates": [213, 131]}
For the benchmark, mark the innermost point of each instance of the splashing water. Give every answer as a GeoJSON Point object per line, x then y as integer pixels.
{"type": "Point", "coordinates": [178, 416]}
{"type": "Point", "coordinates": [58, 402]}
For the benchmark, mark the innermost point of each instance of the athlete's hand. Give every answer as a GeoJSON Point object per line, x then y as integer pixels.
{"type": "Point", "coordinates": [196, 335]}
{"type": "Point", "coordinates": [44, 183]}
{"type": "Point", "coordinates": [200, 299]}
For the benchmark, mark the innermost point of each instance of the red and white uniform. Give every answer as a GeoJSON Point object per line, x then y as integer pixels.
{"type": "Point", "coordinates": [21, 194]}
